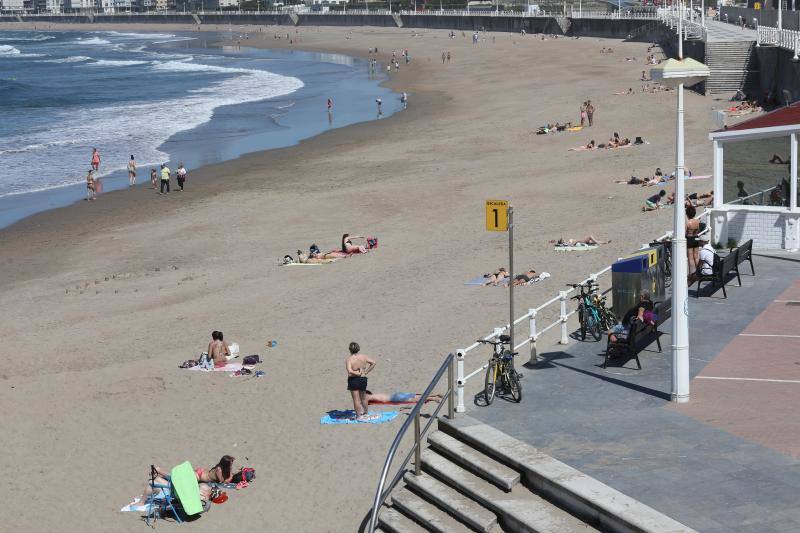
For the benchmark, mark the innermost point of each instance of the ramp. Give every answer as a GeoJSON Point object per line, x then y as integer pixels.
{"type": "Point", "coordinates": [294, 18]}
{"type": "Point", "coordinates": [397, 20]}
{"type": "Point", "coordinates": [196, 19]}
{"type": "Point", "coordinates": [19, 19]}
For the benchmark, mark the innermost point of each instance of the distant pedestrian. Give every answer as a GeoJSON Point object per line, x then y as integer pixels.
{"type": "Point", "coordinates": [448, 57]}
{"type": "Point", "coordinates": [404, 100]}
{"type": "Point", "coordinates": [396, 66]}
{"type": "Point", "coordinates": [153, 178]}
{"type": "Point", "coordinates": [330, 105]}
{"type": "Point", "coordinates": [164, 177]}
{"type": "Point", "coordinates": [583, 114]}
{"type": "Point", "coordinates": [131, 172]}
{"type": "Point", "coordinates": [95, 159]}
{"type": "Point", "coordinates": [91, 194]}
{"type": "Point", "coordinates": [590, 112]}
{"type": "Point", "coordinates": [181, 175]}
{"type": "Point", "coordinates": [444, 56]}
{"type": "Point", "coordinates": [380, 111]}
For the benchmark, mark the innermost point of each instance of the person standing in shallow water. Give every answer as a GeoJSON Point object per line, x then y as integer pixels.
{"type": "Point", "coordinates": [131, 172]}
{"type": "Point", "coordinates": [164, 178]}
{"type": "Point", "coordinates": [90, 192]}
{"type": "Point", "coordinates": [590, 112]}
{"type": "Point", "coordinates": [378, 101]}
{"type": "Point", "coordinates": [153, 178]}
{"type": "Point", "coordinates": [95, 160]}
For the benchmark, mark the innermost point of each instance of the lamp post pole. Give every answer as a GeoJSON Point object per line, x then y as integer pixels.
{"type": "Point", "coordinates": [680, 318]}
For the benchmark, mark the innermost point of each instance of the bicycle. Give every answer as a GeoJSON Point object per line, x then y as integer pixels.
{"type": "Point", "coordinates": [666, 265]}
{"type": "Point", "coordinates": [501, 365]}
{"type": "Point", "coordinates": [593, 315]}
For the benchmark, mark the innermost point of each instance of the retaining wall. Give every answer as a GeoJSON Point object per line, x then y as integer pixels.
{"type": "Point", "coordinates": [777, 72]}
{"type": "Point", "coordinates": [614, 29]}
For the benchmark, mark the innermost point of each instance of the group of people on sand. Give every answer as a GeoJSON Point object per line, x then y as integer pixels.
{"type": "Point", "coordinates": [662, 199]}
{"type": "Point", "coordinates": [614, 142]}
{"type": "Point", "coordinates": [589, 240]}
{"type": "Point", "coordinates": [346, 249]}
{"type": "Point", "coordinates": [658, 178]}
{"type": "Point", "coordinates": [496, 278]}
{"type": "Point", "coordinates": [587, 113]}
{"type": "Point", "coordinates": [94, 184]}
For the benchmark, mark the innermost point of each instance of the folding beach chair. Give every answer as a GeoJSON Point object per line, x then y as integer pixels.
{"type": "Point", "coordinates": [180, 497]}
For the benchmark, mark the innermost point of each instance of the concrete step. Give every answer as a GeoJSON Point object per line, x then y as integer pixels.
{"type": "Point", "coordinates": [452, 501]}
{"type": "Point", "coordinates": [583, 495]}
{"type": "Point", "coordinates": [423, 512]}
{"type": "Point", "coordinates": [518, 510]}
{"type": "Point", "coordinates": [474, 461]}
{"type": "Point", "coordinates": [394, 521]}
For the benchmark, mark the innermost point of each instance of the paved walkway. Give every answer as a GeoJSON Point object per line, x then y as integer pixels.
{"type": "Point", "coordinates": [729, 461]}
{"type": "Point", "coordinates": [722, 32]}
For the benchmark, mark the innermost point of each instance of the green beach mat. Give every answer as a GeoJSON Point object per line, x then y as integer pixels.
{"type": "Point", "coordinates": [187, 490]}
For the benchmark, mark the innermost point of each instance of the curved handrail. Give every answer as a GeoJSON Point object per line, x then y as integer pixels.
{"type": "Point", "coordinates": [383, 492]}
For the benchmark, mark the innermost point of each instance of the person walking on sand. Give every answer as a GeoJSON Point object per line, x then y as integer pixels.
{"type": "Point", "coordinates": [95, 160]}
{"type": "Point", "coordinates": [131, 172]}
{"type": "Point", "coordinates": [358, 366]}
{"type": "Point", "coordinates": [404, 100]}
{"type": "Point", "coordinates": [181, 175]}
{"type": "Point", "coordinates": [330, 105]}
{"type": "Point", "coordinates": [164, 178]}
{"type": "Point", "coordinates": [590, 112]}
{"type": "Point", "coordinates": [444, 57]}
{"type": "Point", "coordinates": [583, 114]}
{"type": "Point", "coordinates": [153, 178]}
{"type": "Point", "coordinates": [448, 57]}
{"type": "Point", "coordinates": [90, 192]}
{"type": "Point", "coordinates": [378, 101]}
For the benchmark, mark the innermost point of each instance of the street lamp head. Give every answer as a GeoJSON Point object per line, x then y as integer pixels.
{"type": "Point", "coordinates": [673, 72]}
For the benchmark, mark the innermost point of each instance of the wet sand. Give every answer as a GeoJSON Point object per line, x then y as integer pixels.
{"type": "Point", "coordinates": [103, 300]}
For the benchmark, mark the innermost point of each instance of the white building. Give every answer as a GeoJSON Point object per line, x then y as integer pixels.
{"type": "Point", "coordinates": [54, 6]}
{"type": "Point", "coordinates": [229, 4]}
{"type": "Point", "coordinates": [81, 5]}
{"type": "Point", "coordinates": [12, 5]}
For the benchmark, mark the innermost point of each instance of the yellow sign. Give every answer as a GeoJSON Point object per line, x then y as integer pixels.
{"type": "Point", "coordinates": [652, 256]}
{"type": "Point", "coordinates": [757, 5]}
{"type": "Point", "coordinates": [496, 215]}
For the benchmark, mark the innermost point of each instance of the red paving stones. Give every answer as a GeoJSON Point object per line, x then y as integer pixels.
{"type": "Point", "coordinates": [762, 411]}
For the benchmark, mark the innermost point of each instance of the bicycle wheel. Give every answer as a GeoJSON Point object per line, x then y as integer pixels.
{"type": "Point", "coordinates": [609, 318]}
{"type": "Point", "coordinates": [582, 321]}
{"type": "Point", "coordinates": [594, 324]}
{"type": "Point", "coordinates": [514, 385]}
{"type": "Point", "coordinates": [490, 382]}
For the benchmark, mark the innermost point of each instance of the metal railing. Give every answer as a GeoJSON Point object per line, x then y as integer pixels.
{"type": "Point", "coordinates": [761, 195]}
{"type": "Point", "coordinates": [385, 489]}
{"type": "Point", "coordinates": [786, 39]}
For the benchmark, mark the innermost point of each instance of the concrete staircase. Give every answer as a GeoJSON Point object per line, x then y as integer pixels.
{"type": "Point", "coordinates": [564, 23]}
{"type": "Point", "coordinates": [732, 65]}
{"type": "Point", "coordinates": [476, 478]}
{"type": "Point", "coordinates": [196, 19]}
{"type": "Point", "coordinates": [397, 20]}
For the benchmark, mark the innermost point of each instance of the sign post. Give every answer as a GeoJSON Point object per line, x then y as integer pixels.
{"type": "Point", "coordinates": [500, 217]}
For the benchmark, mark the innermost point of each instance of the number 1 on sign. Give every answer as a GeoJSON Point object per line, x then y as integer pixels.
{"type": "Point", "coordinates": [496, 215]}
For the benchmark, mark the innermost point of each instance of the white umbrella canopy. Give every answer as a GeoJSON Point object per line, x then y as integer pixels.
{"type": "Point", "coordinates": [676, 71]}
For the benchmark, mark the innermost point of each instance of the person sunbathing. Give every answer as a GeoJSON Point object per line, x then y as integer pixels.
{"type": "Point", "coordinates": [222, 472]}
{"type": "Point", "coordinates": [218, 349]}
{"type": "Point", "coordinates": [588, 240]}
{"type": "Point", "coordinates": [591, 145]}
{"type": "Point", "coordinates": [497, 277]}
{"type": "Point", "coordinates": [400, 397]}
{"type": "Point", "coordinates": [525, 277]}
{"type": "Point", "coordinates": [318, 258]}
{"type": "Point", "coordinates": [349, 248]}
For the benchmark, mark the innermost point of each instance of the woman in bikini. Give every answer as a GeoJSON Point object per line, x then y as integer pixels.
{"type": "Point", "coordinates": [349, 248]}
{"type": "Point", "coordinates": [218, 349]}
{"type": "Point", "coordinates": [90, 192]}
{"type": "Point", "coordinates": [222, 472]}
{"type": "Point", "coordinates": [497, 277]}
{"type": "Point", "coordinates": [692, 242]}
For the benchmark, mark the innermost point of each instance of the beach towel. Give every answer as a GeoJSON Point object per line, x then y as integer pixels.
{"type": "Point", "coordinates": [579, 247]}
{"type": "Point", "coordinates": [698, 177]}
{"type": "Point", "coordinates": [327, 261]}
{"type": "Point", "coordinates": [575, 128]}
{"type": "Point", "coordinates": [230, 367]}
{"type": "Point", "coordinates": [481, 281]}
{"type": "Point", "coordinates": [348, 417]}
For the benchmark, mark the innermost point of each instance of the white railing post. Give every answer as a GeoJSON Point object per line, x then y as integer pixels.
{"type": "Point", "coordinates": [796, 41]}
{"type": "Point", "coordinates": [564, 337]}
{"type": "Point", "coordinates": [460, 380]}
{"type": "Point", "coordinates": [532, 323]}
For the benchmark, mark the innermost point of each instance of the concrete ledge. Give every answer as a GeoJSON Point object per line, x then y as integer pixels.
{"type": "Point", "coordinates": [584, 496]}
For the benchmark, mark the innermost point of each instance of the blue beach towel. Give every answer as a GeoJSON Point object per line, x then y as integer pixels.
{"type": "Point", "coordinates": [481, 280]}
{"type": "Point", "coordinates": [348, 417]}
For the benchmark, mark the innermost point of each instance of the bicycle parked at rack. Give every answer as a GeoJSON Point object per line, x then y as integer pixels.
{"type": "Point", "coordinates": [501, 368]}
{"type": "Point", "coordinates": [666, 264]}
{"type": "Point", "coordinates": [593, 315]}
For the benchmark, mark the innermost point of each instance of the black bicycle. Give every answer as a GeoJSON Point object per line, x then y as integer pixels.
{"type": "Point", "coordinates": [666, 264]}
{"type": "Point", "coordinates": [501, 370]}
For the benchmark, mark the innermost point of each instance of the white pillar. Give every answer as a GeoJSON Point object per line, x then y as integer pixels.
{"type": "Point", "coordinates": [793, 170]}
{"type": "Point", "coordinates": [680, 318]}
{"type": "Point", "coordinates": [780, 13]}
{"type": "Point", "coordinates": [719, 154]}
{"type": "Point", "coordinates": [460, 381]}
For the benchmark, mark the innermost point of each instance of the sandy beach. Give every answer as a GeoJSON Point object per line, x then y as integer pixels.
{"type": "Point", "coordinates": [104, 300]}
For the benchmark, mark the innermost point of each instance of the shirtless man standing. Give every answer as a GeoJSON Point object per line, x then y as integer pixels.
{"type": "Point", "coordinates": [358, 366]}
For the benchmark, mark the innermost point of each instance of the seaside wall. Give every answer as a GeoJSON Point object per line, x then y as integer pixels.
{"type": "Point", "coordinates": [790, 20]}
{"type": "Point", "coordinates": [778, 73]}
{"type": "Point", "coordinates": [636, 30]}
{"type": "Point", "coordinates": [311, 19]}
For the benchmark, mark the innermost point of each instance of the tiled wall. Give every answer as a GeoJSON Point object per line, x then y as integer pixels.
{"type": "Point", "coordinates": [766, 229]}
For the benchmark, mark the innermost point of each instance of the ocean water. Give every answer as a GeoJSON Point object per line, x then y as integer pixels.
{"type": "Point", "coordinates": [162, 97]}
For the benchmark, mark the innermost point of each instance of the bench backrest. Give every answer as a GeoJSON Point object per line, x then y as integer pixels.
{"type": "Point", "coordinates": [728, 262]}
{"type": "Point", "coordinates": [745, 251]}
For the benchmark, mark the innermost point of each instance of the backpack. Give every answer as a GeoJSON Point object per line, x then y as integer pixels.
{"type": "Point", "coordinates": [372, 242]}
{"type": "Point", "coordinates": [251, 360]}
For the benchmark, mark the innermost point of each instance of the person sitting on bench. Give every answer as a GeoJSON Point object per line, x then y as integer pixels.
{"type": "Point", "coordinates": [642, 311]}
{"type": "Point", "coordinates": [707, 254]}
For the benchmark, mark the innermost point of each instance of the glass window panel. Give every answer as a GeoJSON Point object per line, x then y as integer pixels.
{"type": "Point", "coordinates": [762, 167]}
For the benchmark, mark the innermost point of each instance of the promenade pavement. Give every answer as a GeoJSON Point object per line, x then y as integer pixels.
{"type": "Point", "coordinates": [728, 461]}
{"type": "Point", "coordinates": [717, 31]}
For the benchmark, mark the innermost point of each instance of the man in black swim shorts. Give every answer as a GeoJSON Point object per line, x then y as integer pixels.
{"type": "Point", "coordinates": [358, 366]}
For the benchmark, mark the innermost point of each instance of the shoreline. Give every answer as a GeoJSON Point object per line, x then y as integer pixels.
{"type": "Point", "coordinates": [199, 175]}
{"type": "Point", "coordinates": [108, 300]}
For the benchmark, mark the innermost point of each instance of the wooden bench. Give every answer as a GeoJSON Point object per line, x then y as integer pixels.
{"type": "Point", "coordinates": [744, 253]}
{"type": "Point", "coordinates": [639, 331]}
{"type": "Point", "coordinates": [719, 272]}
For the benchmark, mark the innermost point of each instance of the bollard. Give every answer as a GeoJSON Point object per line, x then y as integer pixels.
{"type": "Point", "coordinates": [460, 381]}
{"type": "Point", "coordinates": [534, 355]}
{"type": "Point", "coordinates": [564, 338]}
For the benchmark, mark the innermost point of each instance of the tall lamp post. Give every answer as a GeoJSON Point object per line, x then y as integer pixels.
{"type": "Point", "coordinates": [680, 72]}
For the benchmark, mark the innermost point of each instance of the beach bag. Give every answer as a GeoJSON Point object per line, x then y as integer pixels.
{"type": "Point", "coordinates": [372, 242]}
{"type": "Point", "coordinates": [205, 362]}
{"type": "Point", "coordinates": [245, 474]}
{"type": "Point", "coordinates": [251, 360]}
